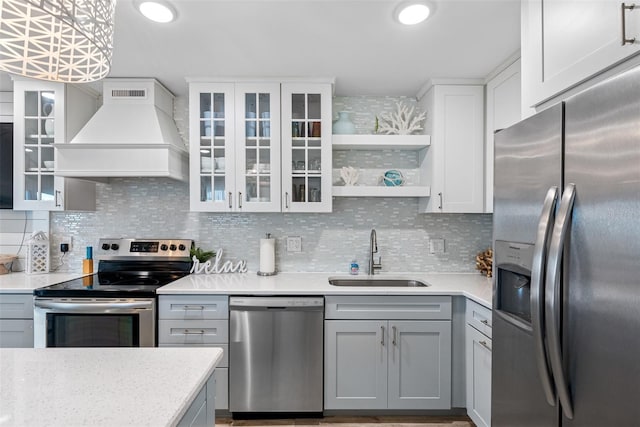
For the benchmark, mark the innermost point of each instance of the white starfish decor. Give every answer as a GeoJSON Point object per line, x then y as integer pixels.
{"type": "Point", "coordinates": [403, 121]}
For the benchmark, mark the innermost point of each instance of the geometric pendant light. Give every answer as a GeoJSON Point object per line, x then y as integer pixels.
{"type": "Point", "coordinates": [58, 40]}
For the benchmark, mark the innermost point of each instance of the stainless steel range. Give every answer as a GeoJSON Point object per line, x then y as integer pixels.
{"type": "Point", "coordinates": [116, 307]}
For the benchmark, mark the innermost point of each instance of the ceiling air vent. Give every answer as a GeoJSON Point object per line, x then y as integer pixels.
{"type": "Point", "coordinates": [128, 93]}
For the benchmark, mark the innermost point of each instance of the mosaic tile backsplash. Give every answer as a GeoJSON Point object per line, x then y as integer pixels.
{"type": "Point", "coordinates": [159, 208]}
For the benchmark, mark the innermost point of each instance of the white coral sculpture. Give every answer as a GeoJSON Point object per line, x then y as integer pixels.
{"type": "Point", "coordinates": [403, 121]}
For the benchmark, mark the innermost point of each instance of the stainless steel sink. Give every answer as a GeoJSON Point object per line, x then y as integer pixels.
{"type": "Point", "coordinates": [381, 282]}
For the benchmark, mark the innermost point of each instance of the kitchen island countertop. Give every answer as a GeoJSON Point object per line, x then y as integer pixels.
{"type": "Point", "coordinates": [101, 386]}
{"type": "Point", "coordinates": [471, 285]}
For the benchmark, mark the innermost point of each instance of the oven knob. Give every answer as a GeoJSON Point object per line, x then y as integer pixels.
{"type": "Point", "coordinates": [173, 247]}
{"type": "Point", "coordinates": [182, 247]}
{"type": "Point", "coordinates": [164, 247]}
{"type": "Point", "coordinates": [115, 246]}
{"type": "Point", "coordinates": [105, 246]}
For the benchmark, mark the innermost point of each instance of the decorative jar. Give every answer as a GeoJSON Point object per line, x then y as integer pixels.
{"type": "Point", "coordinates": [344, 125]}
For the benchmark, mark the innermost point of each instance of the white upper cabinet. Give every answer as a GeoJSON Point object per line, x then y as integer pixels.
{"type": "Point", "coordinates": [260, 147]}
{"type": "Point", "coordinates": [455, 161]}
{"type": "Point", "coordinates": [306, 147]}
{"type": "Point", "coordinates": [46, 113]}
{"type": "Point", "coordinates": [565, 42]}
{"type": "Point", "coordinates": [503, 110]}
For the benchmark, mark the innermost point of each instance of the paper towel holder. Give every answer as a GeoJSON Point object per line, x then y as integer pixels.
{"type": "Point", "coordinates": [273, 254]}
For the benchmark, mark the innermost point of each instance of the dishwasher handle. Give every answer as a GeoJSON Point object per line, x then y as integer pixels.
{"type": "Point", "coordinates": [277, 304]}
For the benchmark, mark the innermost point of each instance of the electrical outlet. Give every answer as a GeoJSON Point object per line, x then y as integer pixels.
{"type": "Point", "coordinates": [294, 244]}
{"type": "Point", "coordinates": [68, 240]}
{"type": "Point", "coordinates": [436, 246]}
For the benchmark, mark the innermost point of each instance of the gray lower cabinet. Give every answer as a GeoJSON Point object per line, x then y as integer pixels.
{"type": "Point", "coordinates": [202, 412]}
{"type": "Point", "coordinates": [478, 354]}
{"type": "Point", "coordinates": [402, 360]}
{"type": "Point", "coordinates": [198, 320]}
{"type": "Point", "coordinates": [16, 320]}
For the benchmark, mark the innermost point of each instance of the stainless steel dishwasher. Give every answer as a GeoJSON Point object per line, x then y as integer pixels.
{"type": "Point", "coordinates": [275, 354]}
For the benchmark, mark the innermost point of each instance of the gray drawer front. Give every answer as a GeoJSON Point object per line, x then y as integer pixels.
{"type": "Point", "coordinates": [479, 317]}
{"type": "Point", "coordinates": [16, 333]}
{"type": "Point", "coordinates": [193, 307]}
{"type": "Point", "coordinates": [388, 307]}
{"type": "Point", "coordinates": [16, 306]}
{"type": "Point", "coordinates": [193, 332]}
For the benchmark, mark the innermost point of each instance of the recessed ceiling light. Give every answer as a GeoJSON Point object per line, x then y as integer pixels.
{"type": "Point", "coordinates": [157, 11]}
{"type": "Point", "coordinates": [412, 13]}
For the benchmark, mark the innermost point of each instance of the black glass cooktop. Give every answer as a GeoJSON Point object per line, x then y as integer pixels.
{"type": "Point", "coordinates": [119, 283]}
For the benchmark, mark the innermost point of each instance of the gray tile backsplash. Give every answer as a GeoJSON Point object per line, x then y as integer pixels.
{"type": "Point", "coordinates": [159, 207]}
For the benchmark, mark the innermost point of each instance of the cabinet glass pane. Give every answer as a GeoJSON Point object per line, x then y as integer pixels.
{"type": "Point", "coordinates": [47, 187]}
{"type": "Point", "coordinates": [298, 106]}
{"type": "Point", "coordinates": [31, 159]}
{"type": "Point", "coordinates": [31, 103]}
{"type": "Point", "coordinates": [250, 105]}
{"type": "Point", "coordinates": [206, 193]}
{"type": "Point", "coordinates": [315, 161]}
{"type": "Point", "coordinates": [47, 100]}
{"type": "Point", "coordinates": [299, 189]}
{"type": "Point", "coordinates": [314, 129]}
{"type": "Point", "coordinates": [46, 155]}
{"type": "Point", "coordinates": [31, 187]}
{"type": "Point", "coordinates": [258, 188]}
{"type": "Point", "coordinates": [314, 189]}
{"type": "Point", "coordinates": [314, 107]}
{"type": "Point", "coordinates": [31, 131]}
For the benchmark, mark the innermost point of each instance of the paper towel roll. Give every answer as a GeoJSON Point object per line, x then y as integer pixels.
{"type": "Point", "coordinates": [267, 256]}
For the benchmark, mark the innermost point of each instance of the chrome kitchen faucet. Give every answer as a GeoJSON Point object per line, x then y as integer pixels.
{"type": "Point", "coordinates": [373, 249]}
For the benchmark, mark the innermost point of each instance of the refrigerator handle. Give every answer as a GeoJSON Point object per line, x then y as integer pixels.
{"type": "Point", "coordinates": [553, 296]}
{"type": "Point", "coordinates": [545, 226]}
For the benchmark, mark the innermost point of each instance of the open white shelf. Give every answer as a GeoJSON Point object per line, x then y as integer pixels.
{"type": "Point", "coordinates": [380, 191]}
{"type": "Point", "coordinates": [381, 142]}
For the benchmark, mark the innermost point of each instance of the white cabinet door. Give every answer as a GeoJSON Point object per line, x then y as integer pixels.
{"type": "Point", "coordinates": [455, 119]}
{"type": "Point", "coordinates": [419, 365]}
{"type": "Point", "coordinates": [211, 147]}
{"type": "Point", "coordinates": [257, 147]}
{"type": "Point", "coordinates": [46, 113]}
{"type": "Point", "coordinates": [564, 42]}
{"type": "Point", "coordinates": [478, 349]}
{"type": "Point", "coordinates": [503, 110]}
{"type": "Point", "coordinates": [306, 147]}
{"type": "Point", "coordinates": [355, 364]}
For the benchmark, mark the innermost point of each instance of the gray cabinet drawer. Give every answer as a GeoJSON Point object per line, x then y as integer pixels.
{"type": "Point", "coordinates": [193, 307]}
{"type": "Point", "coordinates": [16, 306]}
{"type": "Point", "coordinates": [16, 333]}
{"type": "Point", "coordinates": [479, 317]}
{"type": "Point", "coordinates": [388, 307]}
{"type": "Point", "coordinates": [193, 332]}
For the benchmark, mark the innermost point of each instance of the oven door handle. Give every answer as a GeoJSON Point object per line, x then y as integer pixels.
{"type": "Point", "coordinates": [94, 307]}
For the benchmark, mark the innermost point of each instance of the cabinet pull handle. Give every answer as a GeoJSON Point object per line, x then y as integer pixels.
{"type": "Point", "coordinates": [57, 199]}
{"type": "Point", "coordinates": [485, 322]}
{"type": "Point", "coordinates": [440, 196]}
{"type": "Point", "coordinates": [382, 333]}
{"type": "Point", "coordinates": [194, 307]}
{"type": "Point", "coordinates": [189, 332]}
{"type": "Point", "coordinates": [240, 199]}
{"type": "Point", "coordinates": [394, 335]}
{"type": "Point", "coordinates": [624, 7]}
{"type": "Point", "coordinates": [286, 200]}
{"type": "Point", "coordinates": [484, 344]}
{"type": "Point", "coordinates": [230, 200]}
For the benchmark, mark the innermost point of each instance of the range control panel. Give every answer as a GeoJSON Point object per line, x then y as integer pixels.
{"type": "Point", "coordinates": [143, 248]}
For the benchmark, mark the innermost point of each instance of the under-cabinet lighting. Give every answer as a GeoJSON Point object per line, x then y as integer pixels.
{"type": "Point", "coordinates": [412, 13]}
{"type": "Point", "coordinates": [157, 11]}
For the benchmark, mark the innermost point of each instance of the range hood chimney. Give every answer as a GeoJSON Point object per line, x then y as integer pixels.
{"type": "Point", "coordinates": [132, 135]}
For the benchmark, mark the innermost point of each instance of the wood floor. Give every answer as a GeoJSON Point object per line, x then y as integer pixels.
{"type": "Point", "coordinates": [365, 421]}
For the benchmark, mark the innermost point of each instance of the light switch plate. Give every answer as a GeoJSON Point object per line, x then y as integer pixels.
{"type": "Point", "coordinates": [436, 246]}
{"type": "Point", "coordinates": [294, 244]}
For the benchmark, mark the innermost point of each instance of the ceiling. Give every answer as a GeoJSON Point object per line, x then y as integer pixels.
{"type": "Point", "coordinates": [357, 42]}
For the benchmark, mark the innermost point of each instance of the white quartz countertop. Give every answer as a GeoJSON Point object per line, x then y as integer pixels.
{"type": "Point", "coordinates": [471, 285]}
{"type": "Point", "coordinates": [101, 386]}
{"type": "Point", "coordinates": [22, 283]}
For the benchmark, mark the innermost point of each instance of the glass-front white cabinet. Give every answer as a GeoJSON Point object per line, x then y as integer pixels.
{"type": "Point", "coordinates": [306, 147]}
{"type": "Point", "coordinates": [241, 161]}
{"type": "Point", "coordinates": [43, 115]}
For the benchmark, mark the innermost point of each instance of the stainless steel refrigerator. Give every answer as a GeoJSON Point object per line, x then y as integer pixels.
{"type": "Point", "coordinates": [566, 318]}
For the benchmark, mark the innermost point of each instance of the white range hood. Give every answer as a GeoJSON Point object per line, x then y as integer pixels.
{"type": "Point", "coordinates": [132, 135]}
